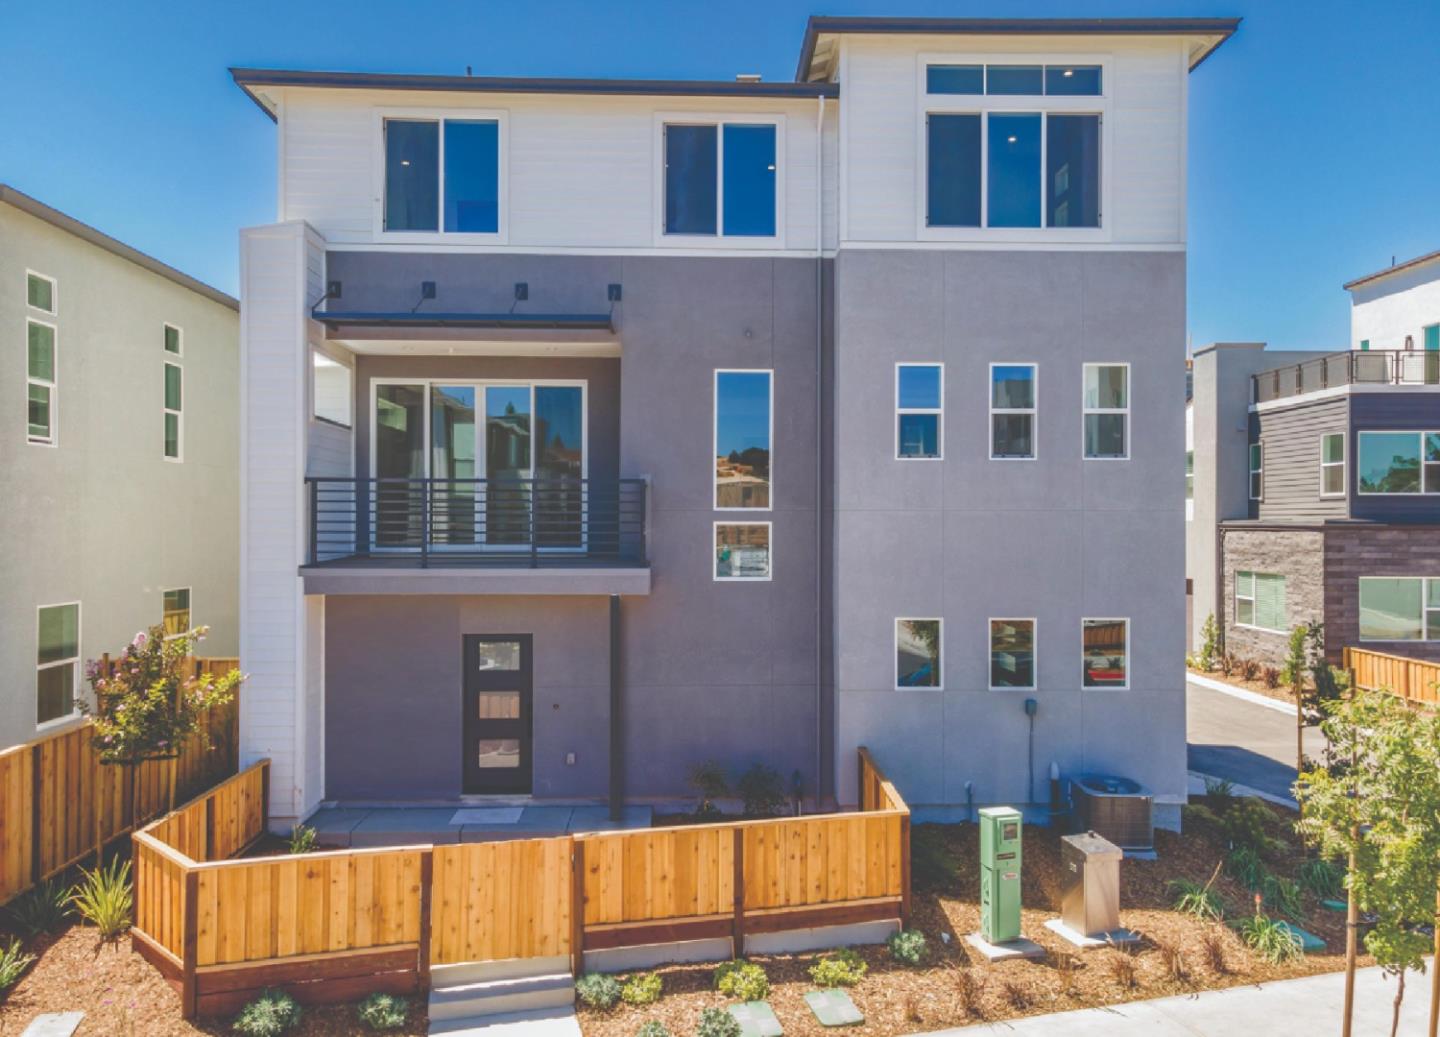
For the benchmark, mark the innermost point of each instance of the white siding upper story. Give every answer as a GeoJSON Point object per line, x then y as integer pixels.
{"type": "Point", "coordinates": [1386, 311]}
{"type": "Point", "coordinates": [1143, 109]}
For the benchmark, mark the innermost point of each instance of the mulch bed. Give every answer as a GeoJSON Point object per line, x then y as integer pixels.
{"type": "Point", "coordinates": [1279, 693]}
{"type": "Point", "coordinates": [957, 986]}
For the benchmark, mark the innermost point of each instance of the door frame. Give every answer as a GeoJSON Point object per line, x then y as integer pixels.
{"type": "Point", "coordinates": [473, 681]}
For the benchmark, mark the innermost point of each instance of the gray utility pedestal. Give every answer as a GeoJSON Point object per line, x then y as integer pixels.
{"type": "Point", "coordinates": [1090, 890]}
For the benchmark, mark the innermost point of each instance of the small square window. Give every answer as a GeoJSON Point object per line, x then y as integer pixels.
{"type": "Point", "coordinates": [742, 551]}
{"type": "Point", "coordinates": [40, 292]}
{"type": "Point", "coordinates": [172, 339]}
{"type": "Point", "coordinates": [917, 653]}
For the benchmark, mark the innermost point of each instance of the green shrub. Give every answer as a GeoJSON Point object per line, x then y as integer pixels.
{"type": "Point", "coordinates": [642, 989]}
{"type": "Point", "coordinates": [742, 980]}
{"type": "Point", "coordinates": [1245, 865]}
{"type": "Point", "coordinates": [1222, 790]}
{"type": "Point", "coordinates": [1210, 643]}
{"type": "Point", "coordinates": [653, 1028]}
{"type": "Point", "coordinates": [716, 1022]}
{"type": "Point", "coordinates": [597, 990]}
{"type": "Point", "coordinates": [708, 780]}
{"type": "Point", "coordinates": [273, 1013]}
{"type": "Point", "coordinates": [1245, 824]}
{"type": "Point", "coordinates": [1283, 895]}
{"type": "Point", "coordinates": [1192, 898]}
{"type": "Point", "coordinates": [383, 1011]}
{"type": "Point", "coordinates": [932, 866]}
{"type": "Point", "coordinates": [302, 839]}
{"type": "Point", "coordinates": [842, 968]}
{"type": "Point", "coordinates": [13, 963]}
{"type": "Point", "coordinates": [1271, 939]}
{"type": "Point", "coordinates": [42, 910]}
{"type": "Point", "coordinates": [762, 790]}
{"type": "Point", "coordinates": [1297, 663]}
{"type": "Point", "coordinates": [908, 946]}
{"type": "Point", "coordinates": [1322, 878]}
{"type": "Point", "coordinates": [1270, 677]}
{"type": "Point", "coordinates": [104, 898]}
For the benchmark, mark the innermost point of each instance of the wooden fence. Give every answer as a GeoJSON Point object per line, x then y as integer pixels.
{"type": "Point", "coordinates": [1414, 680]}
{"type": "Point", "coordinates": [335, 926]}
{"type": "Point", "coordinates": [54, 790]}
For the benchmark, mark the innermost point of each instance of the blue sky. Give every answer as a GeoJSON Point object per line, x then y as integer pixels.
{"type": "Point", "coordinates": [1314, 150]}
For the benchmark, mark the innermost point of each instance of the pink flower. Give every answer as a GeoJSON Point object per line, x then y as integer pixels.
{"type": "Point", "coordinates": [139, 641]}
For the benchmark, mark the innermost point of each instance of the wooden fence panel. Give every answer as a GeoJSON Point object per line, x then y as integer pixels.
{"type": "Point", "coordinates": [1414, 680]}
{"type": "Point", "coordinates": [159, 880]}
{"type": "Point", "coordinates": [493, 901]}
{"type": "Point", "coordinates": [822, 859]}
{"type": "Point", "coordinates": [659, 874]}
{"type": "Point", "coordinates": [16, 821]}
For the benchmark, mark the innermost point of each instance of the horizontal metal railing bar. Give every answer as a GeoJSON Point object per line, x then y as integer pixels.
{"type": "Point", "coordinates": [1352, 367]}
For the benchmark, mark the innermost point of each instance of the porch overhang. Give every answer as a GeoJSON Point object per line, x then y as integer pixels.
{"type": "Point", "coordinates": [488, 321]}
{"type": "Point", "coordinates": [367, 577]}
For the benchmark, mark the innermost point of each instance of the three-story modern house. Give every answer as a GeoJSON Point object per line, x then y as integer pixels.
{"type": "Point", "coordinates": [118, 460]}
{"type": "Point", "coordinates": [597, 428]}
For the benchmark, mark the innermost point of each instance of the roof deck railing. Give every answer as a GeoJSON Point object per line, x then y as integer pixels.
{"type": "Point", "coordinates": [1352, 367]}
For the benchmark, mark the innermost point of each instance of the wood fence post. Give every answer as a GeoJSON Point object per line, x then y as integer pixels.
{"type": "Point", "coordinates": [35, 817]}
{"type": "Point", "coordinates": [264, 797]}
{"type": "Point", "coordinates": [427, 882]}
{"type": "Point", "coordinates": [191, 909]}
{"type": "Point", "coordinates": [577, 906]}
{"type": "Point", "coordinates": [905, 871]}
{"type": "Point", "coordinates": [209, 828]}
{"type": "Point", "coordinates": [737, 930]}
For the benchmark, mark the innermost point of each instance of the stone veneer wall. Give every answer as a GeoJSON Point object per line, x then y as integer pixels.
{"type": "Point", "coordinates": [1353, 552]}
{"type": "Point", "coordinates": [1299, 556]}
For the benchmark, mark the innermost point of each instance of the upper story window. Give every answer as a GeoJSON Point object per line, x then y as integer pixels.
{"type": "Point", "coordinates": [1013, 147]}
{"type": "Point", "coordinates": [919, 410]}
{"type": "Point", "coordinates": [40, 292]}
{"type": "Point", "coordinates": [41, 371]}
{"type": "Point", "coordinates": [1257, 471]}
{"type": "Point", "coordinates": [1012, 411]}
{"type": "Point", "coordinates": [1107, 411]}
{"type": "Point", "coordinates": [917, 654]}
{"type": "Point", "coordinates": [743, 430]}
{"type": "Point", "coordinates": [1402, 463]}
{"type": "Point", "coordinates": [1332, 464]}
{"type": "Point", "coordinates": [442, 175]}
{"type": "Point", "coordinates": [720, 178]}
{"type": "Point", "coordinates": [1399, 609]}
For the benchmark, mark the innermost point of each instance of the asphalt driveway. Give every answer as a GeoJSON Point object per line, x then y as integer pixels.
{"type": "Point", "coordinates": [1248, 743]}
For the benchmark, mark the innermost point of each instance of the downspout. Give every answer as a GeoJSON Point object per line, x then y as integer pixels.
{"type": "Point", "coordinates": [819, 446]}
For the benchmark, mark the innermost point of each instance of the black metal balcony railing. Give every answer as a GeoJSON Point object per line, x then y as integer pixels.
{"type": "Point", "coordinates": [515, 523]}
{"type": "Point", "coordinates": [1370, 367]}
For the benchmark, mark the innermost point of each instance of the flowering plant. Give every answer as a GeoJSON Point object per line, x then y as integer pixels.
{"type": "Point", "coordinates": [146, 703]}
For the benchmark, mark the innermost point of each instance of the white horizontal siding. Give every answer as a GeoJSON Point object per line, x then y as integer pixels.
{"type": "Point", "coordinates": [1387, 311]}
{"type": "Point", "coordinates": [330, 450]}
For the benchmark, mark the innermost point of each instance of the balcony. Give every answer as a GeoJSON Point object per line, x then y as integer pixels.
{"type": "Point", "coordinates": [1374, 367]}
{"type": "Point", "coordinates": [464, 529]}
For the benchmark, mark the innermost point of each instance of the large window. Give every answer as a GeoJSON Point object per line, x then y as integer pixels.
{"type": "Point", "coordinates": [1332, 464]}
{"type": "Point", "coordinates": [1012, 410]}
{"type": "Point", "coordinates": [175, 611]}
{"type": "Point", "coordinates": [720, 179]}
{"type": "Point", "coordinates": [1260, 601]}
{"type": "Point", "coordinates": [57, 661]}
{"type": "Point", "coordinates": [1012, 653]}
{"type": "Point", "coordinates": [1106, 645]}
{"type": "Point", "coordinates": [919, 411]}
{"type": "Point", "coordinates": [1257, 471]}
{"type": "Point", "coordinates": [1399, 462]}
{"type": "Point", "coordinates": [174, 411]}
{"type": "Point", "coordinates": [742, 551]}
{"type": "Point", "coordinates": [743, 429]}
{"type": "Point", "coordinates": [917, 653]}
{"type": "Point", "coordinates": [442, 175]}
{"type": "Point", "coordinates": [1399, 609]}
{"type": "Point", "coordinates": [1107, 411]}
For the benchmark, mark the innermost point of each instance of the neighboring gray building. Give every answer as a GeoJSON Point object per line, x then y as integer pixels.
{"type": "Point", "coordinates": [1317, 482]}
{"type": "Point", "coordinates": [599, 428]}
{"type": "Point", "coordinates": [121, 468]}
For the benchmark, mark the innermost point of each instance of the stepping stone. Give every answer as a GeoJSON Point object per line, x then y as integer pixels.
{"type": "Point", "coordinates": [53, 1024]}
{"type": "Point", "coordinates": [756, 1019]}
{"type": "Point", "coordinates": [1021, 948]}
{"type": "Point", "coordinates": [833, 1007]}
{"type": "Point", "coordinates": [1309, 942]}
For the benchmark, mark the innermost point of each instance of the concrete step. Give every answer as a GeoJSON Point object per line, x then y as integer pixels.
{"type": "Point", "coordinates": [465, 973]}
{"type": "Point", "coordinates": [502, 996]}
{"type": "Point", "coordinates": [547, 1022]}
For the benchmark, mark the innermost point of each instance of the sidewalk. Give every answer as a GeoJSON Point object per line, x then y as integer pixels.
{"type": "Point", "coordinates": [1294, 1006]}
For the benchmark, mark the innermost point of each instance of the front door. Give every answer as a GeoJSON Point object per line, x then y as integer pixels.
{"type": "Point", "coordinates": [498, 687]}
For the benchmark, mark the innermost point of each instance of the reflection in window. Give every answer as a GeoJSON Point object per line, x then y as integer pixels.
{"type": "Point", "coordinates": [399, 455]}
{"type": "Point", "coordinates": [40, 292]}
{"type": "Point", "coordinates": [1332, 465]}
{"type": "Point", "coordinates": [742, 551]}
{"type": "Point", "coordinates": [470, 184]}
{"type": "Point", "coordinates": [919, 410]}
{"type": "Point", "coordinates": [412, 175]}
{"type": "Point", "coordinates": [1260, 600]}
{"type": "Point", "coordinates": [749, 181]}
{"type": "Point", "coordinates": [41, 382]}
{"type": "Point", "coordinates": [333, 391]}
{"type": "Point", "coordinates": [955, 79]}
{"type": "Point", "coordinates": [1014, 79]}
{"type": "Point", "coordinates": [174, 381]}
{"type": "Point", "coordinates": [1106, 648]}
{"type": "Point", "coordinates": [175, 613]}
{"type": "Point", "coordinates": [1190, 475]}
{"type": "Point", "coordinates": [713, 168]}
{"type": "Point", "coordinates": [1107, 410]}
{"type": "Point", "coordinates": [917, 653]}
{"type": "Point", "coordinates": [1072, 173]}
{"type": "Point", "coordinates": [498, 705]}
{"type": "Point", "coordinates": [472, 176]}
{"type": "Point", "coordinates": [1391, 462]}
{"type": "Point", "coordinates": [1012, 653]}
{"type": "Point", "coordinates": [57, 660]}
{"type": "Point", "coordinates": [507, 464]}
{"type": "Point", "coordinates": [498, 753]}
{"type": "Point", "coordinates": [742, 439]}
{"type": "Point", "coordinates": [1394, 609]}
{"type": "Point", "coordinates": [1012, 410]}
{"type": "Point", "coordinates": [498, 655]}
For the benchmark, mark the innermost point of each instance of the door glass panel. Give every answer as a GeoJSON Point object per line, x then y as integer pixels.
{"type": "Point", "coordinates": [559, 466]}
{"type": "Point", "coordinates": [499, 705]}
{"type": "Point", "coordinates": [452, 464]}
{"type": "Point", "coordinates": [498, 655]}
{"type": "Point", "coordinates": [495, 753]}
{"type": "Point", "coordinates": [399, 457]}
{"type": "Point", "coordinates": [507, 464]}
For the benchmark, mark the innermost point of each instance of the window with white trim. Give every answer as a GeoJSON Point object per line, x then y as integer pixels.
{"type": "Point", "coordinates": [721, 178]}
{"type": "Point", "coordinates": [1012, 654]}
{"type": "Point", "coordinates": [1107, 411]}
{"type": "Point", "coordinates": [744, 426]}
{"type": "Point", "coordinates": [1190, 475]}
{"type": "Point", "coordinates": [40, 292]}
{"type": "Point", "coordinates": [742, 551]}
{"type": "Point", "coordinates": [1398, 463]}
{"type": "Point", "coordinates": [1013, 393]}
{"type": "Point", "coordinates": [173, 337]}
{"type": "Point", "coordinates": [442, 175]}
{"type": "Point", "coordinates": [57, 661]}
{"type": "Point", "coordinates": [917, 654]}
{"type": "Point", "coordinates": [333, 389]}
{"type": "Point", "coordinates": [175, 611]}
{"type": "Point", "coordinates": [1260, 601]}
{"type": "Point", "coordinates": [1105, 644]}
{"type": "Point", "coordinates": [919, 411]}
{"type": "Point", "coordinates": [1332, 464]}
{"type": "Point", "coordinates": [174, 416]}
{"type": "Point", "coordinates": [41, 381]}
{"type": "Point", "coordinates": [1399, 608]}
{"type": "Point", "coordinates": [1257, 471]}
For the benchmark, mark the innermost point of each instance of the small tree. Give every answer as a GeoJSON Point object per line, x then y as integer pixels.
{"type": "Point", "coordinates": [1209, 643]}
{"type": "Point", "coordinates": [1293, 674]}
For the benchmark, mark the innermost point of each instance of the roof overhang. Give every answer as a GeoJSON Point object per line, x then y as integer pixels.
{"type": "Point", "coordinates": [487, 321]}
{"type": "Point", "coordinates": [255, 81]}
{"type": "Point", "coordinates": [1398, 268]}
{"type": "Point", "coordinates": [820, 49]}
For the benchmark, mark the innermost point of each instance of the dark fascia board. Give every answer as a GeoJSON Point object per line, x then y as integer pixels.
{"type": "Point", "coordinates": [520, 321]}
{"type": "Point", "coordinates": [1409, 264]}
{"type": "Point", "coordinates": [1223, 28]}
{"type": "Point", "coordinates": [251, 79]}
{"type": "Point", "coordinates": [87, 233]}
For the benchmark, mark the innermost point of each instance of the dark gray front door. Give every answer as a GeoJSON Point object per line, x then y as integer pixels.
{"type": "Point", "coordinates": [499, 685]}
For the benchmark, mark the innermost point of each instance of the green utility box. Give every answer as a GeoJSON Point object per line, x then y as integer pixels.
{"type": "Point", "coordinates": [1000, 874]}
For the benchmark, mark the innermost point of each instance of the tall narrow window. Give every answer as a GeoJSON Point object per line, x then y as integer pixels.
{"type": "Point", "coordinates": [917, 653]}
{"type": "Point", "coordinates": [1012, 410]}
{"type": "Point", "coordinates": [57, 661]}
{"type": "Point", "coordinates": [332, 389]}
{"type": "Point", "coordinates": [748, 183]}
{"type": "Point", "coordinates": [1260, 601]}
{"type": "Point", "coordinates": [1072, 170]}
{"type": "Point", "coordinates": [1013, 171]}
{"type": "Point", "coordinates": [1106, 646]}
{"type": "Point", "coordinates": [1012, 653]}
{"type": "Point", "coordinates": [1257, 471]}
{"type": "Point", "coordinates": [919, 410]}
{"type": "Point", "coordinates": [720, 179]}
{"type": "Point", "coordinates": [412, 175]}
{"type": "Point", "coordinates": [1107, 411]}
{"type": "Point", "coordinates": [1189, 475]}
{"type": "Point", "coordinates": [442, 175]}
{"type": "Point", "coordinates": [1332, 464]}
{"type": "Point", "coordinates": [175, 612]}
{"type": "Point", "coordinates": [953, 170]}
{"type": "Point", "coordinates": [40, 292]}
{"type": "Point", "coordinates": [743, 429]}
{"type": "Point", "coordinates": [742, 551]}
{"type": "Point", "coordinates": [41, 381]}
{"type": "Point", "coordinates": [174, 413]}
{"type": "Point", "coordinates": [172, 340]}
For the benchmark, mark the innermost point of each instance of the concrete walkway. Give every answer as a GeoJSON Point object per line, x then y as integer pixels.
{"type": "Point", "coordinates": [463, 823]}
{"type": "Point", "coordinates": [1295, 1006]}
{"type": "Point", "coordinates": [1249, 742]}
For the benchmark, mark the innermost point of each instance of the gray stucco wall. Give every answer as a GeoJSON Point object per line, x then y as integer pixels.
{"type": "Point", "coordinates": [968, 538]}
{"type": "Point", "coordinates": [101, 518]}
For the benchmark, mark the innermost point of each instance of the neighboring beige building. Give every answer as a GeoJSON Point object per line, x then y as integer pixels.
{"type": "Point", "coordinates": [119, 458]}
